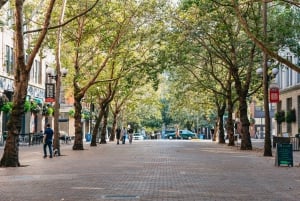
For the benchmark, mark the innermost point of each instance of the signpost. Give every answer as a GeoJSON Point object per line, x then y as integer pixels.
{"type": "Point", "coordinates": [50, 93]}
{"type": "Point", "coordinates": [284, 154]}
{"type": "Point", "coordinates": [274, 94]}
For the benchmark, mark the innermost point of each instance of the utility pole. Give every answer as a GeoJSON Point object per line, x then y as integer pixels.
{"type": "Point", "coordinates": [267, 145]}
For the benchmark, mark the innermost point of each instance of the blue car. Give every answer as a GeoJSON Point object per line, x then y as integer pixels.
{"type": "Point", "coordinates": [183, 134]}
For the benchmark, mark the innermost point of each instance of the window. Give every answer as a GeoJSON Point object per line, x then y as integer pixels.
{"type": "Point", "coordinates": [289, 77]}
{"type": "Point", "coordinates": [289, 103]}
{"type": "Point", "coordinates": [289, 80]}
{"type": "Point", "coordinates": [298, 115]}
{"type": "Point", "coordinates": [10, 17]}
{"type": "Point", "coordinates": [288, 108]}
{"type": "Point", "coordinates": [39, 72]}
{"type": "Point", "coordinates": [279, 106]}
{"type": "Point", "coordinates": [9, 60]}
{"type": "Point", "coordinates": [35, 72]}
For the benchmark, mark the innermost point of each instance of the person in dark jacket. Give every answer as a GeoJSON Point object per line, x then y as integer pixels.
{"type": "Point", "coordinates": [48, 135]}
{"type": "Point", "coordinates": [118, 131]}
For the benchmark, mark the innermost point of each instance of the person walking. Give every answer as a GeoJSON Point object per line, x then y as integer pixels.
{"type": "Point", "coordinates": [118, 131]}
{"type": "Point", "coordinates": [130, 134]}
{"type": "Point", "coordinates": [123, 133]}
{"type": "Point", "coordinates": [48, 135]}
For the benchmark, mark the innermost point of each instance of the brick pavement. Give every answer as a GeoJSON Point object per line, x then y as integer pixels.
{"type": "Point", "coordinates": [162, 170]}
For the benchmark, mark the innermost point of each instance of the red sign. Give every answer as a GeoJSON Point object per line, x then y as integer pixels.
{"type": "Point", "coordinates": [274, 94]}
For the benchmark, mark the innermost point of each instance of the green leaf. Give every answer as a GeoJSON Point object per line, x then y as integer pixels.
{"type": "Point", "coordinates": [7, 107]}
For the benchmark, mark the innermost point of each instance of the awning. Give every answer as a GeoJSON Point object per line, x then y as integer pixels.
{"type": "Point", "coordinates": [38, 101]}
{"type": "Point", "coordinates": [63, 120]}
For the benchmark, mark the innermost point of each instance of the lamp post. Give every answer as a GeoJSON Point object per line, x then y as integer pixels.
{"type": "Point", "coordinates": [57, 77]}
{"type": "Point", "coordinates": [267, 77]}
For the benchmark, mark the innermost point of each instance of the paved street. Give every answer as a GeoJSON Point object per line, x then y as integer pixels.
{"type": "Point", "coordinates": [163, 170]}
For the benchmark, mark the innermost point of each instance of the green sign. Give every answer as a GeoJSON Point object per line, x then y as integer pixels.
{"type": "Point", "coordinates": [284, 154]}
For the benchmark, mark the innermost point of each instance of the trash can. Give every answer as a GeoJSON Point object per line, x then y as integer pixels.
{"type": "Point", "coordinates": [201, 136]}
{"type": "Point", "coordinates": [88, 137]}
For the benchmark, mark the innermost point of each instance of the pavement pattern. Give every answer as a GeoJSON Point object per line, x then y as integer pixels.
{"type": "Point", "coordinates": [162, 170]}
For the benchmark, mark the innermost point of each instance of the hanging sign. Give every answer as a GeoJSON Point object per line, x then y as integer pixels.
{"type": "Point", "coordinates": [274, 94]}
{"type": "Point", "coordinates": [50, 93]}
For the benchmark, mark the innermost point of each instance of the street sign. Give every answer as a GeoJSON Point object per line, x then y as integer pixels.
{"type": "Point", "coordinates": [50, 93]}
{"type": "Point", "coordinates": [284, 154]}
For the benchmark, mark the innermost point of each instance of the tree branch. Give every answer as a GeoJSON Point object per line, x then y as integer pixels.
{"type": "Point", "coordinates": [259, 43]}
{"type": "Point", "coordinates": [65, 23]}
{"type": "Point", "coordinates": [2, 3]}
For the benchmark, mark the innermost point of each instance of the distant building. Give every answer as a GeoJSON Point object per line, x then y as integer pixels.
{"type": "Point", "coordinates": [32, 122]}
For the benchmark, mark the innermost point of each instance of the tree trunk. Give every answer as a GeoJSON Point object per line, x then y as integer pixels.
{"type": "Point", "coordinates": [96, 128]}
{"type": "Point", "coordinates": [246, 140]}
{"type": "Point", "coordinates": [229, 123]}
{"type": "Point", "coordinates": [221, 112]}
{"type": "Point", "coordinates": [215, 131]}
{"type": "Point", "coordinates": [267, 146]}
{"type": "Point", "coordinates": [56, 144]}
{"type": "Point", "coordinates": [10, 156]}
{"type": "Point", "coordinates": [104, 126]}
{"type": "Point", "coordinates": [114, 127]}
{"type": "Point", "coordinates": [78, 144]}
{"type": "Point", "coordinates": [242, 92]}
{"type": "Point", "coordinates": [221, 129]}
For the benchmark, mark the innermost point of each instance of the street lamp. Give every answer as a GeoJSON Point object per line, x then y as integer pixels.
{"type": "Point", "coordinates": [267, 77]}
{"type": "Point", "coordinates": [51, 74]}
{"type": "Point", "coordinates": [271, 75]}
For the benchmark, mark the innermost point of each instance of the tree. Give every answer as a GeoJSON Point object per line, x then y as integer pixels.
{"type": "Point", "coordinates": [10, 156]}
{"type": "Point", "coordinates": [267, 46]}
{"type": "Point", "coordinates": [117, 108]}
{"type": "Point", "coordinates": [224, 46]}
{"type": "Point", "coordinates": [108, 37]}
{"type": "Point", "coordinates": [165, 112]}
{"type": "Point", "coordinates": [89, 60]}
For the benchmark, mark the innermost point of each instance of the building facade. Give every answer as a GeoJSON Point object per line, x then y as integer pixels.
{"type": "Point", "coordinates": [289, 83]}
{"type": "Point", "coordinates": [32, 122]}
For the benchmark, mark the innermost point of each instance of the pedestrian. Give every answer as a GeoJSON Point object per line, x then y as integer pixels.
{"type": "Point", "coordinates": [130, 134]}
{"type": "Point", "coordinates": [48, 135]}
{"type": "Point", "coordinates": [118, 131]}
{"type": "Point", "coordinates": [123, 133]}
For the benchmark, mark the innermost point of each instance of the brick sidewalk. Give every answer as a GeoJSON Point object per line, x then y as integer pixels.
{"type": "Point", "coordinates": [166, 170]}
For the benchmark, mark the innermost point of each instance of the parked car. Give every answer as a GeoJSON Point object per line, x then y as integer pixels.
{"type": "Point", "coordinates": [138, 136]}
{"type": "Point", "coordinates": [183, 134]}
{"type": "Point", "coordinates": [166, 132]}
